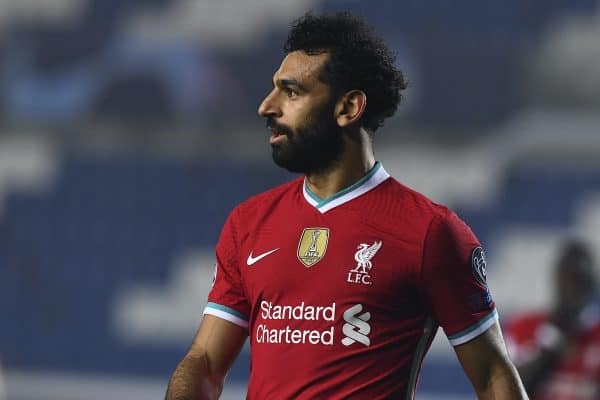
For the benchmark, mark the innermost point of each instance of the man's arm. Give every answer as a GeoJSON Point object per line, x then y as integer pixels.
{"type": "Point", "coordinates": [201, 373]}
{"type": "Point", "coordinates": [486, 363]}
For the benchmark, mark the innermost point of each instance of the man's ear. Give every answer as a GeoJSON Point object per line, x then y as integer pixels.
{"type": "Point", "coordinates": [350, 107]}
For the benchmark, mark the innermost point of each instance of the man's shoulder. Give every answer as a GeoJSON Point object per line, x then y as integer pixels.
{"type": "Point", "coordinates": [411, 200]}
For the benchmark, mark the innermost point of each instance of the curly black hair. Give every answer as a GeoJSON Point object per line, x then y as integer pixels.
{"type": "Point", "coordinates": [359, 59]}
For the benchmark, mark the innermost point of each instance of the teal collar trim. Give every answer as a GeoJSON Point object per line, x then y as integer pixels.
{"type": "Point", "coordinates": [372, 179]}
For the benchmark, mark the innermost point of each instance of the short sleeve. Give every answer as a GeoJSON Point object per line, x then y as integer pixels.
{"type": "Point", "coordinates": [227, 298]}
{"type": "Point", "coordinates": [454, 280]}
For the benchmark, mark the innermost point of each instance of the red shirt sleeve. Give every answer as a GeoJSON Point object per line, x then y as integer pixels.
{"type": "Point", "coordinates": [454, 280]}
{"type": "Point", "coordinates": [227, 298]}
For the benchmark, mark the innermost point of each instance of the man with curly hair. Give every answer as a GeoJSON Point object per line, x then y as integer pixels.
{"type": "Point", "coordinates": [341, 277]}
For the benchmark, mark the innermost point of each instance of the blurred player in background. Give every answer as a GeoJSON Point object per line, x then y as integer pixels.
{"type": "Point", "coordinates": [341, 277]}
{"type": "Point", "coordinates": [558, 352]}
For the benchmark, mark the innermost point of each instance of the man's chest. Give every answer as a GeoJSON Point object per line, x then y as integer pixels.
{"type": "Point", "coordinates": [320, 260]}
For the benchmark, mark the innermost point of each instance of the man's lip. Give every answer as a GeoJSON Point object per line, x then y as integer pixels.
{"type": "Point", "coordinates": [276, 132]}
{"type": "Point", "coordinates": [276, 137]}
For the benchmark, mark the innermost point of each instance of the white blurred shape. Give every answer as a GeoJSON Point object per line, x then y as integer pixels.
{"type": "Point", "coordinates": [27, 163]}
{"type": "Point", "coordinates": [2, 390]}
{"type": "Point", "coordinates": [44, 385]}
{"type": "Point", "coordinates": [40, 10]}
{"type": "Point", "coordinates": [588, 223]}
{"type": "Point", "coordinates": [166, 313]}
{"type": "Point", "coordinates": [471, 173]}
{"type": "Point", "coordinates": [520, 271]}
{"type": "Point", "coordinates": [565, 68]}
{"type": "Point", "coordinates": [440, 347]}
{"type": "Point", "coordinates": [226, 22]}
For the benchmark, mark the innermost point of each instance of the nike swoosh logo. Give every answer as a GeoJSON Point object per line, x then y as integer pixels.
{"type": "Point", "coordinates": [252, 260]}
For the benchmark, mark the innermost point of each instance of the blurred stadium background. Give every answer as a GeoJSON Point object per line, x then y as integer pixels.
{"type": "Point", "coordinates": [128, 131]}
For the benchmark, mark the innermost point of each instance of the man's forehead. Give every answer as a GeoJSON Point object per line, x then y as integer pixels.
{"type": "Point", "coordinates": [300, 66]}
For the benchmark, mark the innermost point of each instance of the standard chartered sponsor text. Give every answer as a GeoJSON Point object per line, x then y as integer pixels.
{"type": "Point", "coordinates": [295, 336]}
{"type": "Point", "coordinates": [288, 333]}
{"type": "Point", "coordinates": [298, 312]}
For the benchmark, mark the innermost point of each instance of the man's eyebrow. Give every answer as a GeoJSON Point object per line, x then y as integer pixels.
{"type": "Point", "coordinates": [290, 83]}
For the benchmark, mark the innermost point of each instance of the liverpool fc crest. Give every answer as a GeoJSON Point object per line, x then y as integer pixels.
{"type": "Point", "coordinates": [362, 272]}
{"type": "Point", "coordinates": [312, 246]}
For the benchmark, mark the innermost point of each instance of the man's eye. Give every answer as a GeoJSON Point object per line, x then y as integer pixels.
{"type": "Point", "coordinates": [291, 93]}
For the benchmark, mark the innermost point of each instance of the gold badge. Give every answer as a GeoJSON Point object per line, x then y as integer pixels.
{"type": "Point", "coordinates": [312, 246]}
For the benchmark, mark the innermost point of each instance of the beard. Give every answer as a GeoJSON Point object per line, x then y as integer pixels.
{"type": "Point", "coordinates": [313, 147]}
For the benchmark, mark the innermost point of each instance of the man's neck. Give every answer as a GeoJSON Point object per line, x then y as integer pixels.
{"type": "Point", "coordinates": [357, 160]}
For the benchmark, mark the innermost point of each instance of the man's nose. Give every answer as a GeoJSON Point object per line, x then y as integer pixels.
{"type": "Point", "coordinates": [269, 107]}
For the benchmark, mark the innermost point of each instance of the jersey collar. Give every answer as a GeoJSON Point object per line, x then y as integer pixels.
{"type": "Point", "coordinates": [371, 180]}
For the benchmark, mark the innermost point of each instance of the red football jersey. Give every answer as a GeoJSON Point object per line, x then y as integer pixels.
{"type": "Point", "coordinates": [343, 296]}
{"type": "Point", "coordinates": [577, 374]}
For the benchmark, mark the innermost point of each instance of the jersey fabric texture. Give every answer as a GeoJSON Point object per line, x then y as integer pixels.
{"type": "Point", "coordinates": [576, 376]}
{"type": "Point", "coordinates": [342, 297]}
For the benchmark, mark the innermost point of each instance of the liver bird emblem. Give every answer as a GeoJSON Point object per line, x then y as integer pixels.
{"type": "Point", "coordinates": [365, 253]}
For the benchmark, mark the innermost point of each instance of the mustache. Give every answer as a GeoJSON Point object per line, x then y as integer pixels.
{"type": "Point", "coordinates": [272, 124]}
